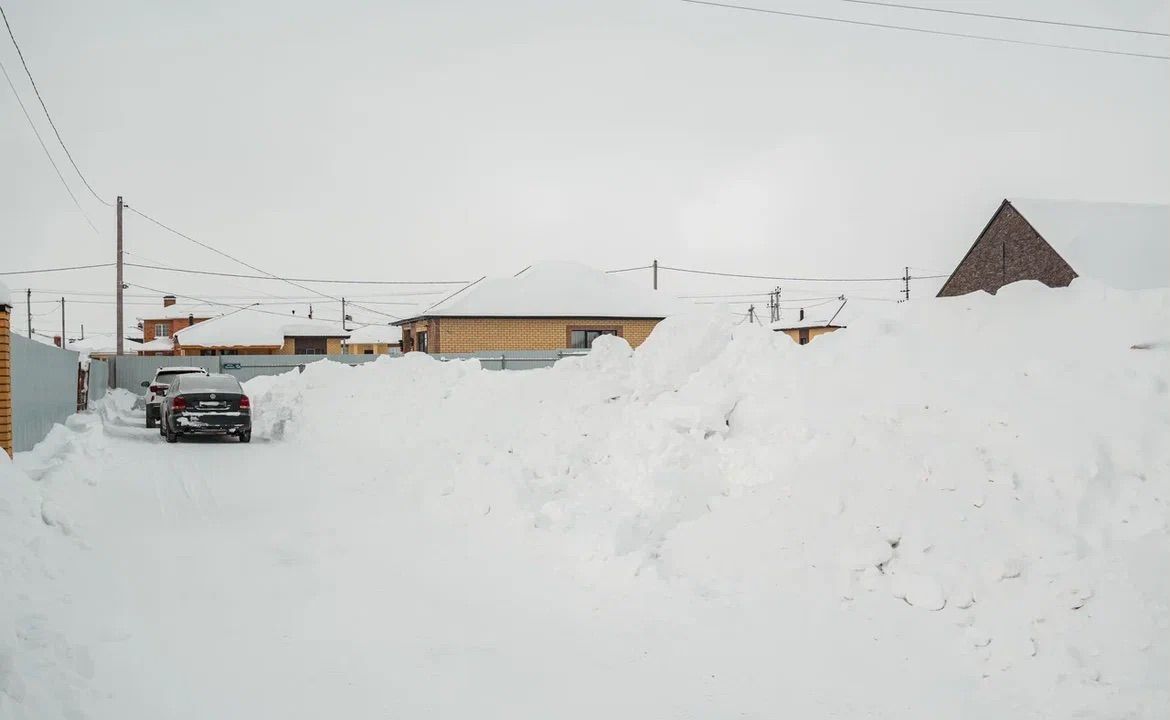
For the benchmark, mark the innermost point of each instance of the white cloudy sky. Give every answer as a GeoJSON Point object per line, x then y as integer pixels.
{"type": "Point", "coordinates": [456, 138]}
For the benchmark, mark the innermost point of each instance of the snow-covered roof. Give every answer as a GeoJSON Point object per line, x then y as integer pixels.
{"type": "Point", "coordinates": [827, 315]}
{"type": "Point", "coordinates": [5, 295]}
{"type": "Point", "coordinates": [559, 289]}
{"type": "Point", "coordinates": [159, 344]}
{"type": "Point", "coordinates": [253, 327]}
{"type": "Point", "coordinates": [180, 311]}
{"type": "Point", "coordinates": [102, 344]}
{"type": "Point", "coordinates": [1124, 245]}
{"type": "Point", "coordinates": [388, 334]}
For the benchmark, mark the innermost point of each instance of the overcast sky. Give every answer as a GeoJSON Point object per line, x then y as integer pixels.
{"type": "Point", "coordinates": [448, 139]}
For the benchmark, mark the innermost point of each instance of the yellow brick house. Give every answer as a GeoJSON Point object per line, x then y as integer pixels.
{"type": "Point", "coordinates": [551, 306]}
{"type": "Point", "coordinates": [251, 331]}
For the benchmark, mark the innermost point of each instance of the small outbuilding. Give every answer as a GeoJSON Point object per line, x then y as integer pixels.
{"type": "Point", "coordinates": [372, 340]}
{"type": "Point", "coordinates": [805, 326]}
{"type": "Point", "coordinates": [552, 306]}
{"type": "Point", "coordinates": [1123, 245]}
{"type": "Point", "coordinates": [257, 332]}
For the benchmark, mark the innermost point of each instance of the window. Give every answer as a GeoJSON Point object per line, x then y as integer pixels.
{"type": "Point", "coordinates": [309, 345]}
{"type": "Point", "coordinates": [803, 336]}
{"type": "Point", "coordinates": [162, 330]}
{"type": "Point", "coordinates": [368, 352]}
{"type": "Point", "coordinates": [422, 341]}
{"type": "Point", "coordinates": [582, 338]}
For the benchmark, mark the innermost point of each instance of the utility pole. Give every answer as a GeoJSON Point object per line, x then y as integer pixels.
{"type": "Point", "coordinates": [751, 314]}
{"type": "Point", "coordinates": [28, 305]}
{"type": "Point", "coordinates": [82, 331]}
{"type": "Point", "coordinates": [118, 331]}
{"type": "Point", "coordinates": [343, 315]}
{"type": "Point", "coordinates": [906, 287]}
{"type": "Point", "coordinates": [62, 323]}
{"type": "Point", "coordinates": [655, 274]}
{"type": "Point", "coordinates": [774, 304]}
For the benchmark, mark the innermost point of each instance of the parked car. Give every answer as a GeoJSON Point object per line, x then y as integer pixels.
{"type": "Point", "coordinates": [201, 404]}
{"type": "Point", "coordinates": [157, 389]}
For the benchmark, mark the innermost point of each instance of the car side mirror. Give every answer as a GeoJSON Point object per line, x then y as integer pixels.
{"type": "Point", "coordinates": [145, 383]}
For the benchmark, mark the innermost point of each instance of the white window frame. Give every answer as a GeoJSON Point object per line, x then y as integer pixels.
{"type": "Point", "coordinates": [162, 329]}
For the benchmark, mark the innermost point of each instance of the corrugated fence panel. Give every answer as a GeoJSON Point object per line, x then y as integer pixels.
{"type": "Point", "coordinates": [99, 380]}
{"type": "Point", "coordinates": [130, 371]}
{"type": "Point", "coordinates": [44, 390]}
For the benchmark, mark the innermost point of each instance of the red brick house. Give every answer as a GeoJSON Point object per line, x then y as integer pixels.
{"type": "Point", "coordinates": [173, 317]}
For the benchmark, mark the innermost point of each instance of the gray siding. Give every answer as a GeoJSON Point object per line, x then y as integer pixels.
{"type": "Point", "coordinates": [44, 390]}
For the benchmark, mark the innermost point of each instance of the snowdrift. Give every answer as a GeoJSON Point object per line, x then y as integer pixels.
{"type": "Point", "coordinates": [953, 508]}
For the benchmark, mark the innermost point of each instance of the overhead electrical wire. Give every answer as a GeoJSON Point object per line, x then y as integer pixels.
{"type": "Point", "coordinates": [57, 269]}
{"type": "Point", "coordinates": [1012, 18]}
{"type": "Point", "coordinates": [778, 277]}
{"type": "Point", "coordinates": [296, 279]}
{"type": "Point", "coordinates": [52, 124]}
{"type": "Point", "coordinates": [926, 31]}
{"type": "Point", "coordinates": [49, 155]}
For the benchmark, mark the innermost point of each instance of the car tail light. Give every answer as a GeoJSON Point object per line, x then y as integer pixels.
{"type": "Point", "coordinates": [245, 403]}
{"type": "Point", "coordinates": [158, 389]}
{"type": "Point", "coordinates": [179, 403]}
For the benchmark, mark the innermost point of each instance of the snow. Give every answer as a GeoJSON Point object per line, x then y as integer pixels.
{"type": "Point", "coordinates": [182, 311]}
{"type": "Point", "coordinates": [559, 289]}
{"type": "Point", "coordinates": [252, 327]}
{"type": "Point", "coordinates": [901, 520]}
{"type": "Point", "coordinates": [1124, 245]}
{"type": "Point", "coordinates": [371, 334]}
{"type": "Point", "coordinates": [159, 344]}
{"type": "Point", "coordinates": [100, 344]}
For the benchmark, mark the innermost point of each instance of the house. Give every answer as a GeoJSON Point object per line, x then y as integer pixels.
{"type": "Point", "coordinates": [551, 306]}
{"type": "Point", "coordinates": [174, 316]}
{"type": "Point", "coordinates": [372, 340]}
{"type": "Point", "coordinates": [804, 325]}
{"type": "Point", "coordinates": [250, 331]}
{"type": "Point", "coordinates": [103, 346]}
{"type": "Point", "coordinates": [1124, 246]}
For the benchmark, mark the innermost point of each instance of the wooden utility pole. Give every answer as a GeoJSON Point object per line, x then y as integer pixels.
{"type": "Point", "coordinates": [28, 305]}
{"type": "Point", "coordinates": [62, 323]}
{"type": "Point", "coordinates": [343, 315]}
{"type": "Point", "coordinates": [118, 330]}
{"type": "Point", "coordinates": [655, 274]}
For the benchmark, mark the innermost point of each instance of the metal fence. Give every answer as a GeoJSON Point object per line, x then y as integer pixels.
{"type": "Point", "coordinates": [130, 371]}
{"type": "Point", "coordinates": [44, 390]}
{"type": "Point", "coordinates": [99, 379]}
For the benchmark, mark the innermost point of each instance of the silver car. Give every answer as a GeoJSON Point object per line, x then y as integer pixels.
{"type": "Point", "coordinates": [156, 390]}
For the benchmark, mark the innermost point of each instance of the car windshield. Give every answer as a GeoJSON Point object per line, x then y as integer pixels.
{"type": "Point", "coordinates": [168, 376]}
{"type": "Point", "coordinates": [210, 383]}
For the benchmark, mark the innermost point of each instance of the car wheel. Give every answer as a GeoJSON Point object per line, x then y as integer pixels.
{"type": "Point", "coordinates": [246, 436]}
{"type": "Point", "coordinates": [150, 422]}
{"type": "Point", "coordinates": [172, 436]}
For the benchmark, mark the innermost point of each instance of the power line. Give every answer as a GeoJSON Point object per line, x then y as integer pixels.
{"type": "Point", "coordinates": [49, 155]}
{"type": "Point", "coordinates": [777, 277]}
{"type": "Point", "coordinates": [236, 307]}
{"type": "Point", "coordinates": [640, 267]}
{"type": "Point", "coordinates": [46, 109]}
{"type": "Point", "coordinates": [58, 269]}
{"type": "Point", "coordinates": [1012, 18]}
{"type": "Point", "coordinates": [287, 279]}
{"type": "Point", "coordinates": [926, 31]}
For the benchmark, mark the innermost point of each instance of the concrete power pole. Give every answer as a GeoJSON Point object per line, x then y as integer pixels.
{"type": "Point", "coordinates": [655, 274]}
{"type": "Point", "coordinates": [906, 280]}
{"type": "Point", "coordinates": [118, 322]}
{"type": "Point", "coordinates": [28, 304]}
{"type": "Point", "coordinates": [62, 323]}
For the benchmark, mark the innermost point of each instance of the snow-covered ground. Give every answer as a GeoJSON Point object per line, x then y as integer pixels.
{"type": "Point", "coordinates": [956, 508]}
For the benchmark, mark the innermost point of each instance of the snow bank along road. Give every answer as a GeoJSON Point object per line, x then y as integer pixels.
{"type": "Point", "coordinates": [955, 510]}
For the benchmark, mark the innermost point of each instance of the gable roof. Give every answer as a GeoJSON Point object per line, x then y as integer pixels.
{"type": "Point", "coordinates": [248, 327]}
{"type": "Point", "coordinates": [1123, 245]}
{"type": "Point", "coordinates": [557, 289]}
{"type": "Point", "coordinates": [103, 344]}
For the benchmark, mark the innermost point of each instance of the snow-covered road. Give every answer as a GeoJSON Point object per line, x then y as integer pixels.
{"type": "Point", "coordinates": [713, 527]}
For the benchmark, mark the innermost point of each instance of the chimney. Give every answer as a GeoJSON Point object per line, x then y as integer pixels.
{"type": "Point", "coordinates": [168, 300]}
{"type": "Point", "coordinates": [57, 340]}
{"type": "Point", "coordinates": [802, 313]}
{"type": "Point", "coordinates": [190, 320]}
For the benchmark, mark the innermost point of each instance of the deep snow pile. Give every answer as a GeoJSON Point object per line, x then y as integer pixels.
{"type": "Point", "coordinates": [953, 508]}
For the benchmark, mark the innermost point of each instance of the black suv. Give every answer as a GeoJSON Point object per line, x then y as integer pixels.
{"type": "Point", "coordinates": [206, 405]}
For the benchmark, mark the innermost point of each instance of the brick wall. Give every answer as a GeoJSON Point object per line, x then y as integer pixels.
{"type": "Point", "coordinates": [460, 335]}
{"type": "Point", "coordinates": [173, 325]}
{"type": "Point", "coordinates": [1008, 250]}
{"type": "Point", "coordinates": [5, 382]}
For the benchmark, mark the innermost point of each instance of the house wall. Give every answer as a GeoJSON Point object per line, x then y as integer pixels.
{"type": "Point", "coordinates": [813, 333]}
{"type": "Point", "coordinates": [1007, 251]}
{"type": "Point", "coordinates": [189, 351]}
{"type": "Point", "coordinates": [464, 335]}
{"type": "Point", "coordinates": [332, 346]}
{"type": "Point", "coordinates": [175, 325]}
{"type": "Point", "coordinates": [5, 381]}
{"type": "Point", "coordinates": [362, 348]}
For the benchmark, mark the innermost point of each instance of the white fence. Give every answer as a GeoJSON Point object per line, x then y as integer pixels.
{"type": "Point", "coordinates": [44, 390]}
